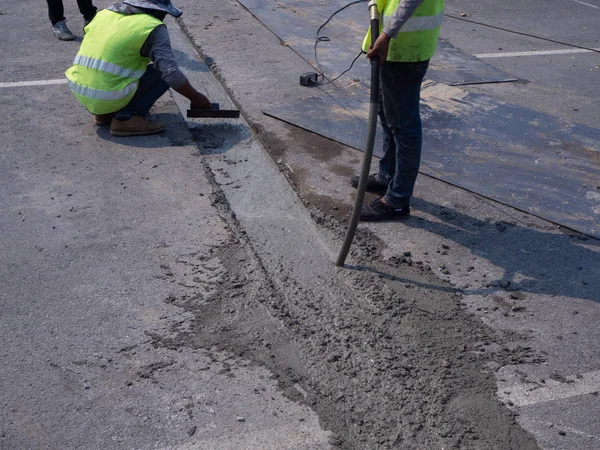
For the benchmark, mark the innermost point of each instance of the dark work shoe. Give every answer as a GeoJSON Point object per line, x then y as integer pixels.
{"type": "Point", "coordinates": [377, 210]}
{"type": "Point", "coordinates": [373, 184]}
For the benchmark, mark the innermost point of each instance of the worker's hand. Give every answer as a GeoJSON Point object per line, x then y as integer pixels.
{"type": "Point", "coordinates": [381, 47]}
{"type": "Point", "coordinates": [200, 101]}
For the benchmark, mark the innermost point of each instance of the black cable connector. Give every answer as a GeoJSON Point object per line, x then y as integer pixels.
{"type": "Point", "coordinates": [309, 79]}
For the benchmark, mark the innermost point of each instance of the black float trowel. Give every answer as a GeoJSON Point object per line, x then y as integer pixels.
{"type": "Point", "coordinates": [214, 112]}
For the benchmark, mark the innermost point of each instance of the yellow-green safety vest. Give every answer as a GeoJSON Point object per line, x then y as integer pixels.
{"type": "Point", "coordinates": [107, 69]}
{"type": "Point", "coordinates": [418, 37]}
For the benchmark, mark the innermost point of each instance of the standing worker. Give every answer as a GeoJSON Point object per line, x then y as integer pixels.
{"type": "Point", "coordinates": [112, 75]}
{"type": "Point", "coordinates": [404, 47]}
{"type": "Point", "coordinates": [56, 13]}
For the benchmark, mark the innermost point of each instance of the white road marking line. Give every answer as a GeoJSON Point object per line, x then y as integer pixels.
{"type": "Point", "coordinates": [34, 83]}
{"type": "Point", "coordinates": [549, 425]}
{"type": "Point", "coordinates": [552, 390]}
{"type": "Point", "coordinates": [534, 53]}
{"type": "Point", "coordinates": [586, 4]}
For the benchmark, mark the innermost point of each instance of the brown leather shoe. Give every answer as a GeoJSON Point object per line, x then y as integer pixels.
{"type": "Point", "coordinates": [136, 126]}
{"type": "Point", "coordinates": [102, 120]}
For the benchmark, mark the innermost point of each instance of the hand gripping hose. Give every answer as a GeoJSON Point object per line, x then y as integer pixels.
{"type": "Point", "coordinates": [371, 131]}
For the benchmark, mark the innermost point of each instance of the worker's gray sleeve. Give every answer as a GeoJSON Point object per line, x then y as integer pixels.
{"type": "Point", "coordinates": [406, 8]}
{"type": "Point", "coordinates": [158, 48]}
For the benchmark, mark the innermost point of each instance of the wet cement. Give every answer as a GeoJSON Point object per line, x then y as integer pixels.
{"type": "Point", "coordinates": [487, 251]}
{"type": "Point", "coordinates": [383, 351]}
{"type": "Point", "coordinates": [397, 363]}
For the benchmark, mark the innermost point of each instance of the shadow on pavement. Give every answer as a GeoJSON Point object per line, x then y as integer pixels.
{"type": "Point", "coordinates": [388, 276]}
{"type": "Point", "coordinates": [211, 138]}
{"type": "Point", "coordinates": [533, 261]}
{"type": "Point", "coordinates": [218, 138]}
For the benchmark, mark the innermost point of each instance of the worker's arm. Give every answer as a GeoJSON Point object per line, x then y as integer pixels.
{"type": "Point", "coordinates": [158, 48]}
{"type": "Point", "coordinates": [198, 100]}
{"type": "Point", "coordinates": [405, 10]}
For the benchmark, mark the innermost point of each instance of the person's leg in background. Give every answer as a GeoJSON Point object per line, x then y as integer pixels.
{"type": "Point", "coordinates": [87, 9]}
{"type": "Point", "coordinates": [56, 14]}
{"type": "Point", "coordinates": [131, 120]}
{"type": "Point", "coordinates": [56, 11]}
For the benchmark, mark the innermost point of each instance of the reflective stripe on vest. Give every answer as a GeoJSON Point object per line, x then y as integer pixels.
{"type": "Point", "coordinates": [97, 64]}
{"type": "Point", "coordinates": [417, 38]}
{"type": "Point", "coordinates": [422, 23]}
{"type": "Point", "coordinates": [97, 94]}
{"type": "Point", "coordinates": [106, 71]}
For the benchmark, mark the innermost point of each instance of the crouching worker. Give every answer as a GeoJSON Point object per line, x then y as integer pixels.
{"type": "Point", "coordinates": [126, 63]}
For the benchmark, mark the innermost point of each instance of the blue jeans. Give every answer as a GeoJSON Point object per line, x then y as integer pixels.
{"type": "Point", "coordinates": [151, 88]}
{"type": "Point", "coordinates": [400, 118]}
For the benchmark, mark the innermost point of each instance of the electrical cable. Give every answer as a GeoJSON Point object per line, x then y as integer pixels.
{"type": "Point", "coordinates": [521, 33]}
{"type": "Point", "coordinates": [326, 39]}
{"type": "Point", "coordinates": [317, 40]}
{"type": "Point", "coordinates": [345, 71]}
{"type": "Point", "coordinates": [338, 11]}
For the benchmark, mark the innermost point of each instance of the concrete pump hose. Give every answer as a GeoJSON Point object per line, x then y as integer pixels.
{"type": "Point", "coordinates": [371, 133]}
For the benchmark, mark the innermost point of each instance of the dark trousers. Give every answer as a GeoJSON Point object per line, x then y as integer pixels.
{"type": "Point", "coordinates": [56, 11]}
{"type": "Point", "coordinates": [151, 88]}
{"type": "Point", "coordinates": [402, 134]}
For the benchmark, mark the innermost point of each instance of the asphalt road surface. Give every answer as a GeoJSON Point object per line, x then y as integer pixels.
{"type": "Point", "coordinates": [178, 291]}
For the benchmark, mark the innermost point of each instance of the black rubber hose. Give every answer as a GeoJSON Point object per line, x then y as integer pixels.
{"type": "Point", "coordinates": [366, 164]}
